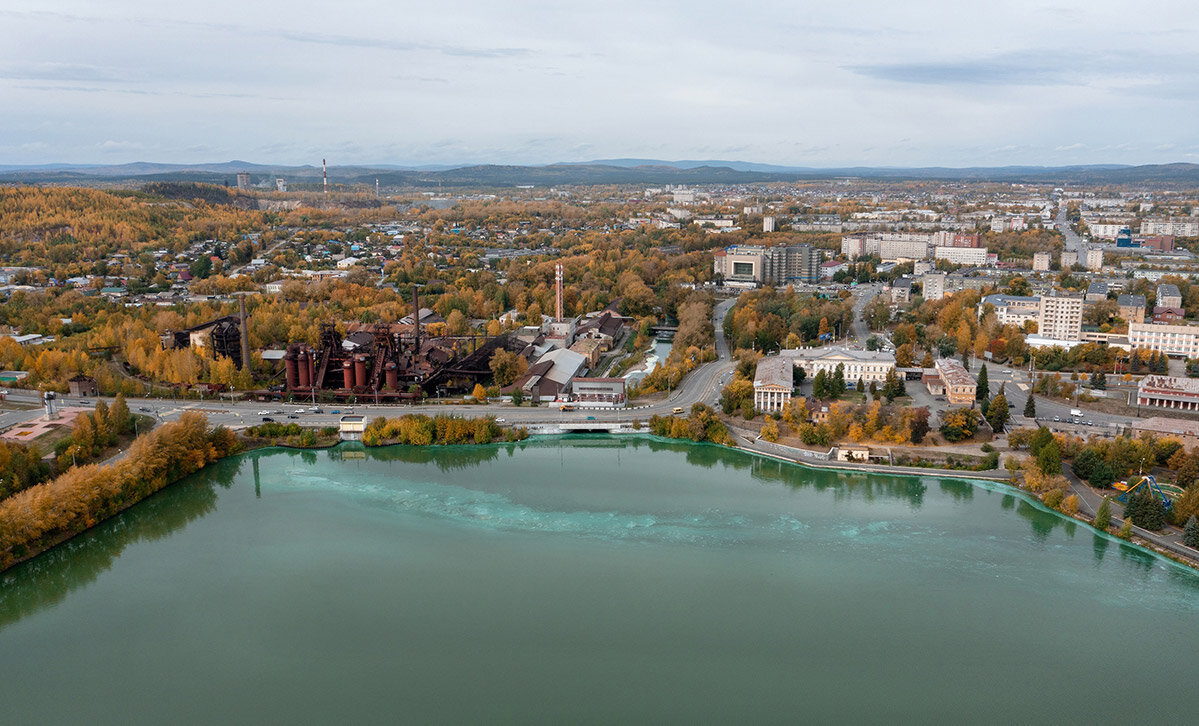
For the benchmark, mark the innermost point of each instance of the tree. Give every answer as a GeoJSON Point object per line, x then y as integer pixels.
{"type": "Point", "coordinates": [1049, 459]}
{"type": "Point", "coordinates": [1099, 381]}
{"type": "Point", "coordinates": [1085, 462]}
{"type": "Point", "coordinates": [1030, 407]}
{"type": "Point", "coordinates": [480, 393]}
{"type": "Point", "coordinates": [1145, 509]}
{"type": "Point", "coordinates": [456, 323]}
{"type": "Point", "coordinates": [997, 414]}
{"type": "Point", "coordinates": [518, 396]}
{"type": "Point", "coordinates": [905, 355]}
{"type": "Point", "coordinates": [982, 391]}
{"type": "Point", "coordinates": [770, 430]}
{"type": "Point", "coordinates": [507, 367]}
{"type": "Point", "coordinates": [1190, 533]}
{"type": "Point", "coordinates": [819, 385]}
{"type": "Point", "coordinates": [917, 423]}
{"type": "Point", "coordinates": [1103, 517]}
{"type": "Point", "coordinates": [1102, 475]}
{"type": "Point", "coordinates": [1042, 438]}
{"type": "Point", "coordinates": [959, 424]}
{"type": "Point", "coordinates": [838, 382]}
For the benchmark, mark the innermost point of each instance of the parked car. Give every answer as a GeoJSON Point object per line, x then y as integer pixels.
{"type": "Point", "coordinates": [268, 419]}
{"type": "Point", "coordinates": [292, 415]}
{"type": "Point", "coordinates": [1057, 418]}
{"type": "Point", "coordinates": [591, 418]}
{"type": "Point", "coordinates": [336, 410]}
{"type": "Point", "coordinates": [143, 409]}
{"type": "Point", "coordinates": [318, 410]}
{"type": "Point", "coordinates": [264, 413]}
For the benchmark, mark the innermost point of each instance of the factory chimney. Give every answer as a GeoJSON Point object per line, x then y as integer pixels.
{"type": "Point", "coordinates": [325, 176]}
{"type": "Point", "coordinates": [245, 333]}
{"type": "Point", "coordinates": [558, 290]}
{"type": "Point", "coordinates": [416, 320]}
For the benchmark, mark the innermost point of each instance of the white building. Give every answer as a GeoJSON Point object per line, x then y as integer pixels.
{"type": "Point", "coordinates": [1094, 261]}
{"type": "Point", "coordinates": [1060, 317]}
{"type": "Point", "coordinates": [902, 249]}
{"type": "Point", "coordinates": [1177, 226]}
{"type": "Point", "coordinates": [1068, 259]}
{"type": "Point", "coordinates": [973, 256]}
{"type": "Point", "coordinates": [1040, 262]}
{"type": "Point", "coordinates": [1169, 339]}
{"type": "Point", "coordinates": [867, 365]}
{"type": "Point", "coordinates": [767, 224]}
{"type": "Point", "coordinates": [772, 384]}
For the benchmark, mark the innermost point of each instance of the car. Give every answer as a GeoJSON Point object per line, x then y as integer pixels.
{"type": "Point", "coordinates": [1090, 423]}
{"type": "Point", "coordinates": [292, 415]}
{"type": "Point", "coordinates": [1057, 418]}
{"type": "Point", "coordinates": [336, 410]}
{"type": "Point", "coordinates": [85, 403]}
{"type": "Point", "coordinates": [143, 409]}
{"type": "Point", "coordinates": [1010, 404]}
{"type": "Point", "coordinates": [499, 420]}
{"type": "Point", "coordinates": [268, 419]}
{"type": "Point", "coordinates": [318, 410]}
{"type": "Point", "coordinates": [264, 413]}
{"type": "Point", "coordinates": [591, 418]}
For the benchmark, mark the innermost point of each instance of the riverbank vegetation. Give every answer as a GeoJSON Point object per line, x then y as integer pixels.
{"type": "Point", "coordinates": [442, 429]}
{"type": "Point", "coordinates": [700, 424]}
{"type": "Point", "coordinates": [47, 513]}
{"type": "Point", "coordinates": [291, 435]}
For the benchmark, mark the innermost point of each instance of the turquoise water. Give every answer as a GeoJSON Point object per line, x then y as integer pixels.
{"type": "Point", "coordinates": [591, 580]}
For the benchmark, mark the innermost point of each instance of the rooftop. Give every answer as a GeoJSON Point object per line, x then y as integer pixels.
{"type": "Point", "coordinates": [774, 371]}
{"type": "Point", "coordinates": [813, 354]}
{"type": "Point", "coordinates": [1158, 424]}
{"type": "Point", "coordinates": [953, 373]}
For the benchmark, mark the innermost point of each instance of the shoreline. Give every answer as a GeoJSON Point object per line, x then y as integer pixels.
{"type": "Point", "coordinates": [997, 483]}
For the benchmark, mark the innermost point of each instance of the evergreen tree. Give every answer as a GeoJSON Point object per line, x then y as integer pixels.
{"type": "Point", "coordinates": [1030, 407]}
{"type": "Point", "coordinates": [1049, 459]}
{"type": "Point", "coordinates": [1190, 533]}
{"type": "Point", "coordinates": [839, 379]}
{"type": "Point", "coordinates": [1102, 475]}
{"type": "Point", "coordinates": [1103, 518]}
{"type": "Point", "coordinates": [1145, 509]}
{"type": "Point", "coordinates": [820, 385]}
{"type": "Point", "coordinates": [965, 360]}
{"type": "Point", "coordinates": [983, 390]}
{"type": "Point", "coordinates": [1099, 381]}
{"type": "Point", "coordinates": [1085, 462]}
{"type": "Point", "coordinates": [1042, 438]}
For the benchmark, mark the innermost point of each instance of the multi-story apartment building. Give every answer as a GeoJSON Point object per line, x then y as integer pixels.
{"type": "Point", "coordinates": [974, 256]}
{"type": "Point", "coordinates": [1132, 308]}
{"type": "Point", "coordinates": [1068, 259]}
{"type": "Point", "coordinates": [768, 265]}
{"type": "Point", "coordinates": [1094, 261]}
{"type": "Point", "coordinates": [1176, 226]}
{"type": "Point", "coordinates": [1040, 262]}
{"type": "Point", "coordinates": [1168, 339]}
{"type": "Point", "coordinates": [933, 285]}
{"type": "Point", "coordinates": [1168, 296]}
{"type": "Point", "coordinates": [1059, 317]}
{"type": "Point", "coordinates": [1012, 309]}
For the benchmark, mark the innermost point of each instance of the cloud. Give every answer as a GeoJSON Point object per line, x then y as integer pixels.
{"type": "Point", "coordinates": [965, 73]}
{"type": "Point", "coordinates": [359, 41]}
{"type": "Point", "coordinates": [59, 72]}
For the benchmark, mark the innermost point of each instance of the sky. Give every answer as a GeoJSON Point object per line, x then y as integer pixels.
{"type": "Point", "coordinates": [795, 83]}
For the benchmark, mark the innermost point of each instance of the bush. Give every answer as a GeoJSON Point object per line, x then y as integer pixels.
{"type": "Point", "coordinates": [1125, 531]}
{"type": "Point", "coordinates": [1190, 533]}
{"type": "Point", "coordinates": [1070, 504]}
{"type": "Point", "coordinates": [1053, 498]}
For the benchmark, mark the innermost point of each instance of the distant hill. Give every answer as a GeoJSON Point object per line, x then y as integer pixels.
{"type": "Point", "coordinates": [609, 171]}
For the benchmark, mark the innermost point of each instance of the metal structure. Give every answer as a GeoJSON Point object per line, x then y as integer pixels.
{"type": "Point", "coordinates": [386, 360]}
{"type": "Point", "coordinates": [1148, 481]}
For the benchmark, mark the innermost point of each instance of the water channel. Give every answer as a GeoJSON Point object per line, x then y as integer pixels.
{"type": "Point", "coordinates": [591, 579]}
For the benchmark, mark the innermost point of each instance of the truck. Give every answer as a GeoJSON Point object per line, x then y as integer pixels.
{"type": "Point", "coordinates": [1076, 412]}
{"type": "Point", "coordinates": [677, 409]}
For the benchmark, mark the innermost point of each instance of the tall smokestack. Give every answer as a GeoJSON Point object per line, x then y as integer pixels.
{"type": "Point", "coordinates": [558, 290]}
{"type": "Point", "coordinates": [245, 333]}
{"type": "Point", "coordinates": [376, 187]}
{"type": "Point", "coordinates": [325, 176]}
{"type": "Point", "coordinates": [416, 319]}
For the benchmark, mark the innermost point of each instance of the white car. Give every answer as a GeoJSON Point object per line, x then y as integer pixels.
{"type": "Point", "coordinates": [264, 413]}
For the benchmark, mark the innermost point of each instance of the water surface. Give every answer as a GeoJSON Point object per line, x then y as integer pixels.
{"type": "Point", "coordinates": [591, 580]}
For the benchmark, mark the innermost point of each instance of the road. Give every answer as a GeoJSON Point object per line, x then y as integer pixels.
{"type": "Point", "coordinates": [1074, 243]}
{"type": "Point", "coordinates": [864, 293]}
{"type": "Point", "coordinates": [703, 384]}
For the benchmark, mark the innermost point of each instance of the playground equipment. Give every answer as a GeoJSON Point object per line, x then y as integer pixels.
{"type": "Point", "coordinates": [1147, 480]}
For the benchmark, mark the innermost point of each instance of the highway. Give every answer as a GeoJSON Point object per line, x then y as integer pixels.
{"type": "Point", "coordinates": [703, 384]}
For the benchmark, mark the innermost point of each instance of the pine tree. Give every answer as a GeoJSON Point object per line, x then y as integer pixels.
{"type": "Point", "coordinates": [1030, 407]}
{"type": "Point", "coordinates": [1190, 533]}
{"type": "Point", "coordinates": [983, 390]}
{"type": "Point", "coordinates": [997, 414]}
{"type": "Point", "coordinates": [1099, 381]}
{"type": "Point", "coordinates": [1049, 459]}
{"type": "Point", "coordinates": [1103, 517]}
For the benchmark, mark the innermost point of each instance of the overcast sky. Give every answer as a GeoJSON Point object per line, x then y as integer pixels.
{"type": "Point", "coordinates": [886, 82]}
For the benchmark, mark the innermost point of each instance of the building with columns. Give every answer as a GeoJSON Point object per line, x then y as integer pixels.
{"type": "Point", "coordinates": [772, 384]}
{"type": "Point", "coordinates": [1181, 394]}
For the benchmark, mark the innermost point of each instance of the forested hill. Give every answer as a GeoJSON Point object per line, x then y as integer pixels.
{"type": "Point", "coordinates": [616, 172]}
